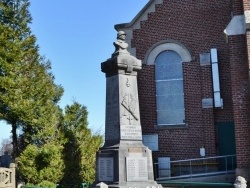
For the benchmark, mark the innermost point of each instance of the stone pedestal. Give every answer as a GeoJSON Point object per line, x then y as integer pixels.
{"type": "Point", "coordinates": [123, 161]}
{"type": "Point", "coordinates": [128, 164]}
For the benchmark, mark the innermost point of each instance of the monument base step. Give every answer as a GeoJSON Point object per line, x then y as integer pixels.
{"type": "Point", "coordinates": [150, 184]}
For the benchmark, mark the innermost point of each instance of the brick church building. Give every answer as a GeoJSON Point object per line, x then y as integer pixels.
{"type": "Point", "coordinates": [194, 84]}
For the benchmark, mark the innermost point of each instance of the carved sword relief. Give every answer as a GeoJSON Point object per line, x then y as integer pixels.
{"type": "Point", "coordinates": [129, 103]}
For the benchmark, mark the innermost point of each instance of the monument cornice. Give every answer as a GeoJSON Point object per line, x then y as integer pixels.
{"type": "Point", "coordinates": [121, 64]}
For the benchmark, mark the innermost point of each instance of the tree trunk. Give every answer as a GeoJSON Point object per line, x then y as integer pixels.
{"type": "Point", "coordinates": [14, 140]}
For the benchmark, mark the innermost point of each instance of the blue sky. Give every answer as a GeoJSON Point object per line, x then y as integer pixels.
{"type": "Point", "coordinates": [77, 36]}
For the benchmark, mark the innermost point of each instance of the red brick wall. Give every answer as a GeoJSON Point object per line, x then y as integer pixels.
{"type": "Point", "coordinates": [199, 26]}
{"type": "Point", "coordinates": [240, 96]}
{"type": "Point", "coordinates": [239, 61]}
{"type": "Point", "coordinates": [237, 6]}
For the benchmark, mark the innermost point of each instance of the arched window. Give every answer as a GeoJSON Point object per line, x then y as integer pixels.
{"type": "Point", "coordinates": [167, 56]}
{"type": "Point", "coordinates": [169, 89]}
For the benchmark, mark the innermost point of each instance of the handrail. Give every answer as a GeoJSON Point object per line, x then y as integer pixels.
{"type": "Point", "coordinates": [195, 175]}
{"type": "Point", "coordinates": [197, 167]}
{"type": "Point", "coordinates": [195, 159]}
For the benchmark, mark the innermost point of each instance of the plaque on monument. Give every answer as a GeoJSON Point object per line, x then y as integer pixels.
{"type": "Point", "coordinates": [151, 141]}
{"type": "Point", "coordinates": [137, 169]}
{"type": "Point", "coordinates": [131, 132]}
{"type": "Point", "coordinates": [106, 169]}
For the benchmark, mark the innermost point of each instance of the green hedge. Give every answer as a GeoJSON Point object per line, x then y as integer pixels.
{"type": "Point", "coordinates": [84, 185]}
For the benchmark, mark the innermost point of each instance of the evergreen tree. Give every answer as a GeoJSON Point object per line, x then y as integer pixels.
{"type": "Point", "coordinates": [80, 148]}
{"type": "Point", "coordinates": [28, 100]}
{"type": "Point", "coordinates": [28, 95]}
{"type": "Point", "coordinates": [43, 165]}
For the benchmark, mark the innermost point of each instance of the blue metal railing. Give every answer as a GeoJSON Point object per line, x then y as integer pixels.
{"type": "Point", "coordinates": [197, 167]}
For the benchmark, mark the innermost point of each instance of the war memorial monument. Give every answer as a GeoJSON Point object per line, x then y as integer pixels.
{"type": "Point", "coordinates": [123, 161]}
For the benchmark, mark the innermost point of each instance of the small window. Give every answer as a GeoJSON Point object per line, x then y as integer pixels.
{"type": "Point", "coordinates": [169, 89]}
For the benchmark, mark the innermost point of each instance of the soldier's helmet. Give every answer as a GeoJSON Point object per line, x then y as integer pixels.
{"type": "Point", "coordinates": [120, 33]}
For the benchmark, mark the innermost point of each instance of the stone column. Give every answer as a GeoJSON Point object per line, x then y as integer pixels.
{"type": "Point", "coordinates": [122, 104]}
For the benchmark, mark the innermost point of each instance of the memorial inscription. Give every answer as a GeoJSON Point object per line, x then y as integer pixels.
{"type": "Point", "coordinates": [129, 132]}
{"type": "Point", "coordinates": [106, 169]}
{"type": "Point", "coordinates": [136, 168]}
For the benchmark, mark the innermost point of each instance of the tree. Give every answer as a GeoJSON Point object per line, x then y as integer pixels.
{"type": "Point", "coordinates": [28, 94]}
{"type": "Point", "coordinates": [29, 97]}
{"type": "Point", "coordinates": [81, 146]}
{"type": "Point", "coordinates": [56, 162]}
{"type": "Point", "coordinates": [41, 162]}
{"type": "Point", "coordinates": [28, 101]}
{"type": "Point", "coordinates": [42, 166]}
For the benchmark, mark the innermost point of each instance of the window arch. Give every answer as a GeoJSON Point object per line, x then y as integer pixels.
{"type": "Point", "coordinates": [167, 45]}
